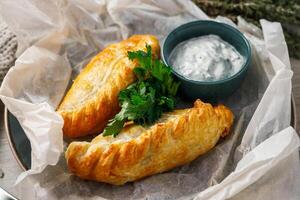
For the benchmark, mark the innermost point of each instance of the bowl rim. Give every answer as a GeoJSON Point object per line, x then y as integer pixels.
{"type": "Point", "coordinates": [231, 28]}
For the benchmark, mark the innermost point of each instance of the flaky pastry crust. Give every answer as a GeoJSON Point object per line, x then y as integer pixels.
{"type": "Point", "coordinates": [176, 139]}
{"type": "Point", "coordinates": [93, 97]}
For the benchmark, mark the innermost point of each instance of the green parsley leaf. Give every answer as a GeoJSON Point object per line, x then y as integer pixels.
{"type": "Point", "coordinates": [145, 100]}
{"type": "Point", "coordinates": [113, 127]}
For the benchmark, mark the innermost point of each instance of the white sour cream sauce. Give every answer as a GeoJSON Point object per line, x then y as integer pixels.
{"type": "Point", "coordinates": [206, 58]}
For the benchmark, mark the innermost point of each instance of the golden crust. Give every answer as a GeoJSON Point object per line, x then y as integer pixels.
{"type": "Point", "coordinates": [178, 138]}
{"type": "Point", "coordinates": [92, 99]}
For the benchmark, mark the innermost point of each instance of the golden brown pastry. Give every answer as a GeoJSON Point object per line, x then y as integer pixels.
{"type": "Point", "coordinates": [93, 98]}
{"type": "Point", "coordinates": [178, 138]}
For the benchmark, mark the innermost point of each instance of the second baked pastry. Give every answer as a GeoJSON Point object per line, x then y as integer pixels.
{"type": "Point", "coordinates": [92, 99]}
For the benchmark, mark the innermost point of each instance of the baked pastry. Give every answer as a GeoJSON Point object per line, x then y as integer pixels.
{"type": "Point", "coordinates": [177, 138]}
{"type": "Point", "coordinates": [93, 97]}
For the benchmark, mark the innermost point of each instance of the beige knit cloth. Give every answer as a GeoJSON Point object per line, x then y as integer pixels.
{"type": "Point", "coordinates": [8, 47]}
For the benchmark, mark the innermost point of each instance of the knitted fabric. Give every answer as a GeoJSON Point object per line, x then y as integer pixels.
{"type": "Point", "coordinates": [8, 47]}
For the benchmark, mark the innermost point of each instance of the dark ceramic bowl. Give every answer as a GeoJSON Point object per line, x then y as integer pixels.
{"type": "Point", "coordinates": [208, 90]}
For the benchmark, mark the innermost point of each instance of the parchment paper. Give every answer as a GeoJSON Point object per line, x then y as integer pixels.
{"type": "Point", "coordinates": [259, 160]}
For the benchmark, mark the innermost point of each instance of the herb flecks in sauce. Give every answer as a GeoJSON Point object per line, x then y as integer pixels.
{"type": "Point", "coordinates": [206, 58]}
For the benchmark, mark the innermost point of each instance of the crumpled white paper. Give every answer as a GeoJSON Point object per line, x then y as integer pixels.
{"type": "Point", "coordinates": [259, 160]}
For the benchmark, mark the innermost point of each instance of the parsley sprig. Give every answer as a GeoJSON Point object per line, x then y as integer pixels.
{"type": "Point", "coordinates": [145, 100]}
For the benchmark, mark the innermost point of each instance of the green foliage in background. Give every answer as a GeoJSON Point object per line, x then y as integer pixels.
{"type": "Point", "coordinates": [285, 11]}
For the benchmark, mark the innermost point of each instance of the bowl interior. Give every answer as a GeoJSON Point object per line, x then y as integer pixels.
{"type": "Point", "coordinates": [201, 28]}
